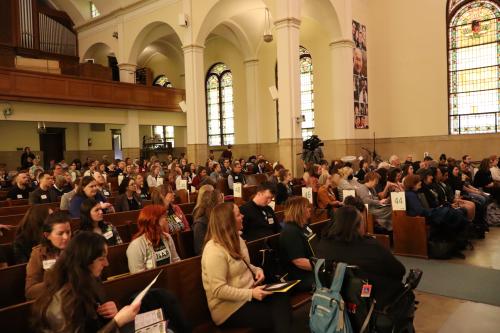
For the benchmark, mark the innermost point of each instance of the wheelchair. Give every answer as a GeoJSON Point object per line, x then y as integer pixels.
{"type": "Point", "coordinates": [396, 317]}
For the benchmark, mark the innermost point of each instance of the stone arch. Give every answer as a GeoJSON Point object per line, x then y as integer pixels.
{"type": "Point", "coordinates": [150, 33]}
{"type": "Point", "coordinates": [99, 52]}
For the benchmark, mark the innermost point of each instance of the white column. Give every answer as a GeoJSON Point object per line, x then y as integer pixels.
{"type": "Point", "coordinates": [196, 103]}
{"type": "Point", "coordinates": [342, 99]}
{"type": "Point", "coordinates": [127, 72]}
{"type": "Point", "coordinates": [131, 142]}
{"type": "Point", "coordinates": [287, 43]}
{"type": "Point", "coordinates": [253, 116]}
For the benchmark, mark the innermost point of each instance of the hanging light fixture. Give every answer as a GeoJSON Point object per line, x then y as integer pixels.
{"type": "Point", "coordinates": [268, 36]}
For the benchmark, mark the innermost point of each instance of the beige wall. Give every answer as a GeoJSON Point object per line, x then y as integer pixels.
{"type": "Point", "coordinates": [407, 68]}
{"type": "Point", "coordinates": [174, 70]}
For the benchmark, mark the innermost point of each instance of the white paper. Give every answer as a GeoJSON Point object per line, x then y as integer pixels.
{"type": "Point", "coordinates": [237, 192]}
{"type": "Point", "coordinates": [47, 264]}
{"type": "Point", "coordinates": [120, 179]}
{"type": "Point", "coordinates": [148, 318]}
{"type": "Point", "coordinates": [457, 194]}
{"type": "Point", "coordinates": [193, 189]}
{"type": "Point", "coordinates": [398, 200]}
{"type": "Point", "coordinates": [347, 193]}
{"type": "Point", "coordinates": [183, 184]}
{"type": "Point", "coordinates": [19, 196]}
{"type": "Point", "coordinates": [159, 181]}
{"type": "Point", "coordinates": [160, 327]}
{"type": "Point", "coordinates": [307, 192]}
{"type": "Point", "coordinates": [140, 296]}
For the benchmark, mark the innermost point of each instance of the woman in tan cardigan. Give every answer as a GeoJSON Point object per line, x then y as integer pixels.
{"type": "Point", "coordinates": [232, 285]}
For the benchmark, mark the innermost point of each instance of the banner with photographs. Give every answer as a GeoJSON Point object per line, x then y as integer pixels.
{"type": "Point", "coordinates": [360, 76]}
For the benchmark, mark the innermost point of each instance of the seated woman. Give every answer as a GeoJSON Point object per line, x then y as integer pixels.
{"type": "Point", "coordinates": [141, 187]}
{"type": "Point", "coordinates": [151, 246]}
{"type": "Point", "coordinates": [128, 199]}
{"type": "Point", "coordinates": [29, 232]}
{"type": "Point", "coordinates": [326, 196]}
{"type": "Point", "coordinates": [445, 223]}
{"type": "Point", "coordinates": [344, 240]}
{"type": "Point", "coordinates": [87, 190]}
{"type": "Point", "coordinates": [73, 298]}
{"type": "Point", "coordinates": [201, 215]}
{"type": "Point", "coordinates": [483, 178]}
{"type": "Point", "coordinates": [164, 195]}
{"type": "Point", "coordinates": [295, 250]}
{"type": "Point", "coordinates": [231, 283]}
{"type": "Point", "coordinates": [464, 188]}
{"type": "Point", "coordinates": [378, 208]}
{"type": "Point", "coordinates": [283, 188]}
{"type": "Point", "coordinates": [56, 236]}
{"type": "Point", "coordinates": [347, 181]}
{"type": "Point", "coordinates": [199, 178]}
{"type": "Point", "coordinates": [91, 219]}
{"type": "Point", "coordinates": [394, 180]}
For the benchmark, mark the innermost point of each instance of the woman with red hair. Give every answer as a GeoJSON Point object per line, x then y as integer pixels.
{"type": "Point", "coordinates": [151, 246]}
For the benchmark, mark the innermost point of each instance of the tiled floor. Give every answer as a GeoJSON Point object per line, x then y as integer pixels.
{"type": "Point", "coordinates": [438, 314]}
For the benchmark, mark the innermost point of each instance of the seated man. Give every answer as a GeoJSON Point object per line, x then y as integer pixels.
{"type": "Point", "coordinates": [226, 168]}
{"type": "Point", "coordinates": [258, 218]}
{"type": "Point", "coordinates": [22, 188]}
{"type": "Point", "coordinates": [44, 193]}
{"type": "Point", "coordinates": [236, 176]}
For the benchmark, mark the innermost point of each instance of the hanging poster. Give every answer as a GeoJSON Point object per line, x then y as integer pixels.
{"type": "Point", "coordinates": [360, 76]}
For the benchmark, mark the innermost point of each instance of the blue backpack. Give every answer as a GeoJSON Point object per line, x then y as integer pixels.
{"type": "Point", "coordinates": [328, 313]}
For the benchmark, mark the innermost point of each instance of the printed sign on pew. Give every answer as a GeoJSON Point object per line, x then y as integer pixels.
{"type": "Point", "coordinates": [183, 185]}
{"type": "Point", "coordinates": [398, 201]}
{"type": "Point", "coordinates": [237, 191]}
{"type": "Point", "coordinates": [307, 192]}
{"type": "Point", "coordinates": [348, 193]}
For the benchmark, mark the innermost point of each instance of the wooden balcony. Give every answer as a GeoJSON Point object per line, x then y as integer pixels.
{"type": "Point", "coordinates": [19, 85]}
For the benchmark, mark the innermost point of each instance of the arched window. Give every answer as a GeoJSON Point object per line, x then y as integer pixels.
{"type": "Point", "coordinates": [220, 113]}
{"type": "Point", "coordinates": [473, 59]}
{"type": "Point", "coordinates": [306, 93]}
{"type": "Point", "coordinates": [162, 81]}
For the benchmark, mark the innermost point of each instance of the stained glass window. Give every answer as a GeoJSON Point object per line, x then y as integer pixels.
{"type": "Point", "coordinates": [306, 93]}
{"type": "Point", "coordinates": [162, 81]}
{"type": "Point", "coordinates": [164, 133]}
{"type": "Point", "coordinates": [94, 12]}
{"type": "Point", "coordinates": [474, 67]}
{"type": "Point", "coordinates": [220, 106]}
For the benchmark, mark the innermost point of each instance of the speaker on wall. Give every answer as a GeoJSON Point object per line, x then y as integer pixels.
{"type": "Point", "coordinates": [274, 92]}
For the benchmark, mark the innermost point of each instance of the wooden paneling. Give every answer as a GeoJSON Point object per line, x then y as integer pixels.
{"type": "Point", "coordinates": [61, 89]}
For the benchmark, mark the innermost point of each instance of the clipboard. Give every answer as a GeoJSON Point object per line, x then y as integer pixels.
{"type": "Point", "coordinates": [281, 287]}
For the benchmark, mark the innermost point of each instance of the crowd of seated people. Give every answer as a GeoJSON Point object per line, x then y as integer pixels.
{"type": "Point", "coordinates": [449, 194]}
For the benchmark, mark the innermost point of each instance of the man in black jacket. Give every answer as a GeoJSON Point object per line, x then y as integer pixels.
{"type": "Point", "coordinates": [22, 188]}
{"type": "Point", "coordinates": [44, 193]}
{"type": "Point", "coordinates": [259, 219]}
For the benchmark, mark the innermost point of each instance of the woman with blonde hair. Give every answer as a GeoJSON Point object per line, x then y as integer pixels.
{"type": "Point", "coordinates": [201, 214]}
{"type": "Point", "coordinates": [326, 197]}
{"type": "Point", "coordinates": [231, 282]}
{"type": "Point", "coordinates": [295, 250]}
{"type": "Point", "coordinates": [347, 181]}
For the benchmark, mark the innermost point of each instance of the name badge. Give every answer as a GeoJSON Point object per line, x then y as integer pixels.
{"type": "Point", "coordinates": [47, 264]}
{"type": "Point", "coordinates": [19, 196]}
{"type": "Point", "coordinates": [106, 193]}
{"type": "Point", "coordinates": [193, 189]}
{"type": "Point", "coordinates": [43, 196]}
{"type": "Point", "coordinates": [270, 220]}
{"type": "Point", "coordinates": [108, 234]}
{"type": "Point", "coordinates": [161, 255]}
{"type": "Point", "coordinates": [177, 219]}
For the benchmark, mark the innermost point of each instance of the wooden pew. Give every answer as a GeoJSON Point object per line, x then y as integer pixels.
{"type": "Point", "coordinates": [9, 252]}
{"type": "Point", "coordinates": [17, 202]}
{"type": "Point", "coordinates": [23, 209]}
{"type": "Point", "coordinates": [13, 279]}
{"type": "Point", "coordinates": [15, 318]}
{"type": "Point", "coordinates": [8, 235]}
{"type": "Point", "coordinates": [409, 235]}
{"type": "Point", "coordinates": [11, 219]}
{"type": "Point", "coordinates": [118, 263]}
